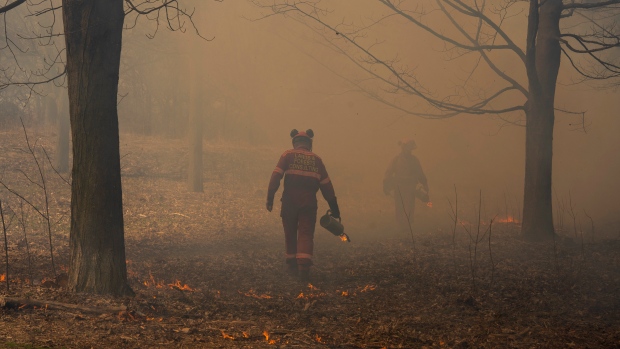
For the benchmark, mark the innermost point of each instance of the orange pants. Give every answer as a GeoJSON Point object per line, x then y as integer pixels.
{"type": "Point", "coordinates": [299, 227]}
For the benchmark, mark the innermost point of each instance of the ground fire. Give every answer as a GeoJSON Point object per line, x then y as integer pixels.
{"type": "Point", "coordinates": [508, 219]}
{"type": "Point", "coordinates": [310, 174]}
{"type": "Point", "coordinates": [251, 293]}
{"type": "Point", "coordinates": [181, 287]}
{"type": "Point", "coordinates": [269, 341]}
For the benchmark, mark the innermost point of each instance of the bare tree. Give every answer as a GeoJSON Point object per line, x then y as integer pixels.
{"type": "Point", "coordinates": [476, 27]}
{"type": "Point", "coordinates": [93, 36]}
{"type": "Point", "coordinates": [93, 39]}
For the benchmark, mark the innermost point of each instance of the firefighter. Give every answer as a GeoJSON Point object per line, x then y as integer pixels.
{"type": "Point", "coordinates": [403, 180]}
{"type": "Point", "coordinates": [304, 174]}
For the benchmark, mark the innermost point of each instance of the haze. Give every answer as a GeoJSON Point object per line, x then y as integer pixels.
{"type": "Point", "coordinates": [272, 75]}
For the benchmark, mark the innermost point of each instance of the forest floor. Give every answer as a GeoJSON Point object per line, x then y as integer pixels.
{"type": "Point", "coordinates": [208, 270]}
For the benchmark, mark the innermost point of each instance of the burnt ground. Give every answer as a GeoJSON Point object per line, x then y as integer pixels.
{"type": "Point", "coordinates": [225, 251]}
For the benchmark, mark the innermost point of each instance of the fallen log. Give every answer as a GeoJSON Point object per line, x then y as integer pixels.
{"type": "Point", "coordinates": [12, 302]}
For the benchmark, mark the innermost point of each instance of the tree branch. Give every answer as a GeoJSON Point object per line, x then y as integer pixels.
{"type": "Point", "coordinates": [11, 6]}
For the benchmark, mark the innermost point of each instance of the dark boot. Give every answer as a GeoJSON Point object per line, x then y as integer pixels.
{"type": "Point", "coordinates": [304, 265]}
{"type": "Point", "coordinates": [291, 266]}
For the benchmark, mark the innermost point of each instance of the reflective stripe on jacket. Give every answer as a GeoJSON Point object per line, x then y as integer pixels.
{"type": "Point", "coordinates": [304, 174]}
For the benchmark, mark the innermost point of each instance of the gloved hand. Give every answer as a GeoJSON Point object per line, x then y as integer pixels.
{"type": "Point", "coordinates": [269, 206]}
{"type": "Point", "coordinates": [333, 207]}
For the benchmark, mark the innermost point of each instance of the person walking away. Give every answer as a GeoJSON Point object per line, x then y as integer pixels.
{"type": "Point", "coordinates": [304, 174]}
{"type": "Point", "coordinates": [403, 177]}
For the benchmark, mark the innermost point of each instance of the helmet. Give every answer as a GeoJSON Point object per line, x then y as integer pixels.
{"type": "Point", "coordinates": [407, 143]}
{"type": "Point", "coordinates": [302, 136]}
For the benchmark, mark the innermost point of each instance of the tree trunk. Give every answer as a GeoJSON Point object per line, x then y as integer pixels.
{"type": "Point", "coordinates": [93, 33]}
{"type": "Point", "coordinates": [537, 201]}
{"type": "Point", "coordinates": [194, 173]}
{"type": "Point", "coordinates": [62, 137]}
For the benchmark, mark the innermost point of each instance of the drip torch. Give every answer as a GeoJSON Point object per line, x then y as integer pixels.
{"type": "Point", "coordinates": [334, 226]}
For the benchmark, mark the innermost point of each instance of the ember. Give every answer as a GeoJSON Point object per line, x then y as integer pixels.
{"type": "Point", "coordinates": [345, 294]}
{"type": "Point", "coordinates": [344, 237]}
{"type": "Point", "coordinates": [310, 295]}
{"type": "Point", "coordinates": [226, 336]}
{"type": "Point", "coordinates": [251, 293]}
{"type": "Point", "coordinates": [152, 282]}
{"type": "Point", "coordinates": [180, 287]}
{"type": "Point", "coordinates": [269, 341]}
{"type": "Point", "coordinates": [429, 204]}
{"type": "Point", "coordinates": [508, 219]}
{"type": "Point", "coordinates": [3, 277]}
{"type": "Point", "coordinates": [368, 288]}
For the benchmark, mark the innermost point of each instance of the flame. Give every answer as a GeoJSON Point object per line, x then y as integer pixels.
{"type": "Point", "coordinates": [3, 277]}
{"type": "Point", "coordinates": [429, 204]}
{"type": "Point", "coordinates": [151, 282]}
{"type": "Point", "coordinates": [318, 338]}
{"type": "Point", "coordinates": [269, 341]}
{"type": "Point", "coordinates": [311, 287]}
{"type": "Point", "coordinates": [183, 287]}
{"type": "Point", "coordinates": [301, 295]}
{"type": "Point", "coordinates": [251, 293]}
{"type": "Point", "coordinates": [245, 335]}
{"type": "Point", "coordinates": [226, 336]}
{"type": "Point", "coordinates": [369, 288]}
{"type": "Point", "coordinates": [345, 293]}
{"type": "Point", "coordinates": [343, 238]}
{"type": "Point", "coordinates": [509, 219]}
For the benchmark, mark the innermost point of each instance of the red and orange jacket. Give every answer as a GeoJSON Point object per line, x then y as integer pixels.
{"type": "Point", "coordinates": [304, 174]}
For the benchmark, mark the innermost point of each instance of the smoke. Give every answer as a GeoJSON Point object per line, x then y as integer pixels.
{"type": "Point", "coordinates": [256, 80]}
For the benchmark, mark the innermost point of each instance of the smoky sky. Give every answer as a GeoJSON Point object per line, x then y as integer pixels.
{"type": "Point", "coordinates": [281, 75]}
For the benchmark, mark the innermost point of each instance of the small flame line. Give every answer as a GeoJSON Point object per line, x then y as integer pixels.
{"type": "Point", "coordinates": [251, 293]}
{"type": "Point", "coordinates": [180, 287]}
{"type": "Point", "coordinates": [226, 336]}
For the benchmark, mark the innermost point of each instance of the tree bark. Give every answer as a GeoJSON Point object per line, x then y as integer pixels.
{"type": "Point", "coordinates": [93, 35]}
{"type": "Point", "coordinates": [62, 137]}
{"type": "Point", "coordinates": [540, 118]}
